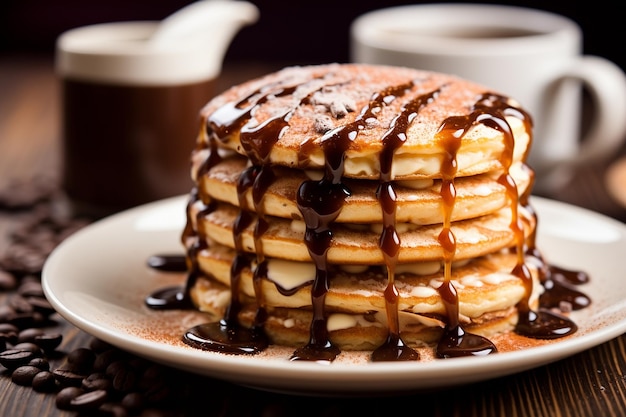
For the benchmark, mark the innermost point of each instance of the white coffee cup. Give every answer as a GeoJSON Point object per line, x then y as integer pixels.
{"type": "Point", "coordinates": [531, 55]}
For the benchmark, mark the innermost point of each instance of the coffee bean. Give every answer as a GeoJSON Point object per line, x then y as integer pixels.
{"type": "Point", "coordinates": [30, 347]}
{"type": "Point", "coordinates": [89, 400]}
{"type": "Point", "coordinates": [23, 258]}
{"type": "Point", "coordinates": [23, 375]}
{"type": "Point", "coordinates": [41, 305]}
{"type": "Point", "coordinates": [6, 313]}
{"type": "Point", "coordinates": [66, 395]}
{"type": "Point", "coordinates": [133, 401]}
{"type": "Point", "coordinates": [16, 357]}
{"type": "Point", "coordinates": [96, 381]}
{"type": "Point", "coordinates": [44, 381]}
{"type": "Point", "coordinates": [41, 363]}
{"type": "Point", "coordinates": [30, 287]}
{"type": "Point", "coordinates": [7, 281]}
{"type": "Point", "coordinates": [114, 367]}
{"type": "Point", "coordinates": [25, 320]}
{"type": "Point", "coordinates": [28, 335]}
{"type": "Point", "coordinates": [104, 359]}
{"type": "Point", "coordinates": [27, 280]}
{"type": "Point", "coordinates": [48, 341]}
{"type": "Point", "coordinates": [19, 304]}
{"type": "Point", "coordinates": [124, 377]}
{"type": "Point", "coordinates": [9, 332]}
{"type": "Point", "coordinates": [81, 360]}
{"type": "Point", "coordinates": [68, 378]}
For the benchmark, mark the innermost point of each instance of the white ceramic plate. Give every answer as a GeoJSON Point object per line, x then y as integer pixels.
{"type": "Point", "coordinates": [97, 279]}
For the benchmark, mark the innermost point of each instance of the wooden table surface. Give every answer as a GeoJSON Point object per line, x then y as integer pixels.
{"type": "Point", "coordinates": [591, 383]}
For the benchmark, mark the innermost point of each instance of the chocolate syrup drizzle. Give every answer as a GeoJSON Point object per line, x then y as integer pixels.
{"type": "Point", "coordinates": [321, 201]}
{"type": "Point", "coordinates": [394, 347]}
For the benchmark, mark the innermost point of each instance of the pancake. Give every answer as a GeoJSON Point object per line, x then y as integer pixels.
{"type": "Point", "coordinates": [349, 331]}
{"type": "Point", "coordinates": [360, 243]}
{"type": "Point", "coordinates": [487, 291]}
{"type": "Point", "coordinates": [484, 284]}
{"type": "Point", "coordinates": [418, 202]}
{"type": "Point", "coordinates": [307, 106]}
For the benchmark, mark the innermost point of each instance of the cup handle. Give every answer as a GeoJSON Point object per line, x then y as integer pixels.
{"type": "Point", "coordinates": [606, 83]}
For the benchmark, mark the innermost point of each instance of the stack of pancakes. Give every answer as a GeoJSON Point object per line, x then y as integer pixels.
{"type": "Point", "coordinates": [336, 201]}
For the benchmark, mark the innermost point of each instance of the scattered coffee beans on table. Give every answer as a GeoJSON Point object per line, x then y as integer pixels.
{"type": "Point", "coordinates": [98, 379]}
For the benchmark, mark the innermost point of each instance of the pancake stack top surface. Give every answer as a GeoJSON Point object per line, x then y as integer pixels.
{"type": "Point", "coordinates": [355, 207]}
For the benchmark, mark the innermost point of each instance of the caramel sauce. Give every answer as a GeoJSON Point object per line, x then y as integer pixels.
{"type": "Point", "coordinates": [321, 201]}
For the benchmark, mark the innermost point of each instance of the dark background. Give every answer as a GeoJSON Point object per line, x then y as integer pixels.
{"type": "Point", "coordinates": [290, 32]}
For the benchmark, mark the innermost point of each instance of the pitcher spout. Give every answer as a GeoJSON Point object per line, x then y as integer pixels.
{"type": "Point", "coordinates": [208, 25]}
